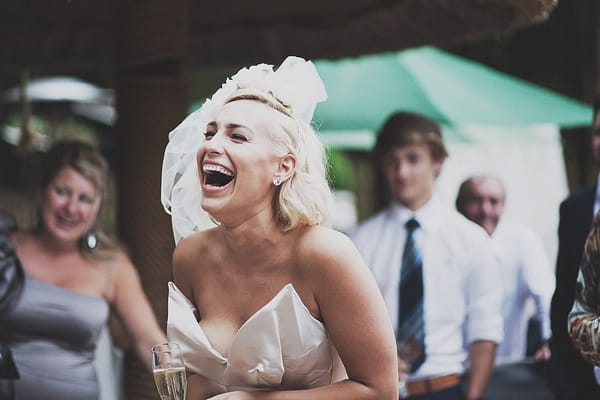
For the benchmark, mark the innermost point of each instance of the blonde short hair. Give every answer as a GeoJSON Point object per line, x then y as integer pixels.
{"type": "Point", "coordinates": [305, 198]}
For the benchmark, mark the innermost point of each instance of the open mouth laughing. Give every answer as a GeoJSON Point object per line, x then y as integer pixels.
{"type": "Point", "coordinates": [216, 176]}
{"type": "Point", "coordinates": [67, 222]}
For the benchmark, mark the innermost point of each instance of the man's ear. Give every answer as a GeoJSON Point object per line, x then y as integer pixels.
{"type": "Point", "coordinates": [437, 165]}
{"type": "Point", "coordinates": [286, 167]}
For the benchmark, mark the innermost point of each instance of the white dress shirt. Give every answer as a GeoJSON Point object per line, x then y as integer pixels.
{"type": "Point", "coordinates": [526, 274]}
{"type": "Point", "coordinates": [462, 297]}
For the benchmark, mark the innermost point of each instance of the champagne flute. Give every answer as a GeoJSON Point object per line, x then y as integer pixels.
{"type": "Point", "coordinates": [169, 371]}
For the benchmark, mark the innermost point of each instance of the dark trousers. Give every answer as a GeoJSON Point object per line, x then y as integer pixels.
{"type": "Point", "coordinates": [451, 393]}
{"type": "Point", "coordinates": [571, 377]}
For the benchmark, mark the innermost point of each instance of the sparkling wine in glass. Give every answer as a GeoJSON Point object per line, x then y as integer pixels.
{"type": "Point", "coordinates": [169, 371]}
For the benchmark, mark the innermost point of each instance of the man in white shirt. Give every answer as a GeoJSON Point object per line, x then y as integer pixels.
{"type": "Point", "coordinates": [524, 267]}
{"type": "Point", "coordinates": [461, 296]}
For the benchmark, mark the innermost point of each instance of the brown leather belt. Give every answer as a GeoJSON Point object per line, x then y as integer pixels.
{"type": "Point", "coordinates": [415, 388]}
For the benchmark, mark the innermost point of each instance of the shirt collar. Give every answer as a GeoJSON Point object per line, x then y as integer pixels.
{"type": "Point", "coordinates": [428, 216]}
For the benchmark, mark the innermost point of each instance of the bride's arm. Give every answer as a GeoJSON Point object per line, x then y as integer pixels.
{"type": "Point", "coordinates": [200, 388]}
{"type": "Point", "coordinates": [356, 317]}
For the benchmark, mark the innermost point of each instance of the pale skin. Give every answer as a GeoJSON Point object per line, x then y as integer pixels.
{"type": "Point", "coordinates": [484, 202]}
{"type": "Point", "coordinates": [411, 172]}
{"type": "Point", "coordinates": [231, 271]}
{"type": "Point", "coordinates": [51, 254]}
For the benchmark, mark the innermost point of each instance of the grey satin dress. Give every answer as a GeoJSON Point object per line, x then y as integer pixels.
{"type": "Point", "coordinates": [52, 334]}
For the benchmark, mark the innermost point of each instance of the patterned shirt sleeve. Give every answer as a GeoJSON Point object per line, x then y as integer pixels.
{"type": "Point", "coordinates": [584, 318]}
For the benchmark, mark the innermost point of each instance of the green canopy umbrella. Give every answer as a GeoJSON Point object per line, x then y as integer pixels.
{"type": "Point", "coordinates": [452, 90]}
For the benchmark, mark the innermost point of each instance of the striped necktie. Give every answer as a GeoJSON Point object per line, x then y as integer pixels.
{"type": "Point", "coordinates": [411, 329]}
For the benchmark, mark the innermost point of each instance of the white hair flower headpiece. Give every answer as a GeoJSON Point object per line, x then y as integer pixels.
{"type": "Point", "coordinates": [295, 84]}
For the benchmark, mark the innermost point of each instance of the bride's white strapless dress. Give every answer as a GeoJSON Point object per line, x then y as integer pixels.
{"type": "Point", "coordinates": [280, 347]}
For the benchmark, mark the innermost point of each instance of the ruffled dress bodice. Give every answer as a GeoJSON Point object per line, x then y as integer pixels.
{"type": "Point", "coordinates": [280, 347]}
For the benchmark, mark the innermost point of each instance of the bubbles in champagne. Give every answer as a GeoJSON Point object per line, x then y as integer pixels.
{"type": "Point", "coordinates": [171, 383]}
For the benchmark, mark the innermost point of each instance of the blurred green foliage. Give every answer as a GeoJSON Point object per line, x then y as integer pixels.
{"type": "Point", "coordinates": [340, 170]}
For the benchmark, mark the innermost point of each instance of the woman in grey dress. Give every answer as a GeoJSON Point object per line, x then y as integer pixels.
{"type": "Point", "coordinates": [74, 276]}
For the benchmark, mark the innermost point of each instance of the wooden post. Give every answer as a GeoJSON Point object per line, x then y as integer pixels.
{"type": "Point", "coordinates": [150, 39]}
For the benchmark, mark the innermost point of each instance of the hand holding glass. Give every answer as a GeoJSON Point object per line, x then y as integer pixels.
{"type": "Point", "coordinates": [169, 371]}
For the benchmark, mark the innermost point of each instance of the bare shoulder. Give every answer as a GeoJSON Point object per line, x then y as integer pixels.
{"type": "Point", "coordinates": [124, 276]}
{"type": "Point", "coordinates": [121, 264]}
{"type": "Point", "coordinates": [19, 238]}
{"type": "Point", "coordinates": [122, 258]}
{"type": "Point", "coordinates": [191, 247]}
{"type": "Point", "coordinates": [187, 247]}
{"type": "Point", "coordinates": [328, 251]}
{"type": "Point", "coordinates": [188, 258]}
{"type": "Point", "coordinates": [24, 243]}
{"type": "Point", "coordinates": [321, 239]}
{"type": "Point", "coordinates": [336, 273]}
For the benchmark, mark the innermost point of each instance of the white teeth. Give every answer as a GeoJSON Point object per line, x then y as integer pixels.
{"type": "Point", "coordinates": [66, 221]}
{"type": "Point", "coordinates": [216, 168]}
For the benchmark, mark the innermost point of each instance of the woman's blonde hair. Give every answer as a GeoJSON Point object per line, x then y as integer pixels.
{"type": "Point", "coordinates": [90, 164]}
{"type": "Point", "coordinates": [305, 198]}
